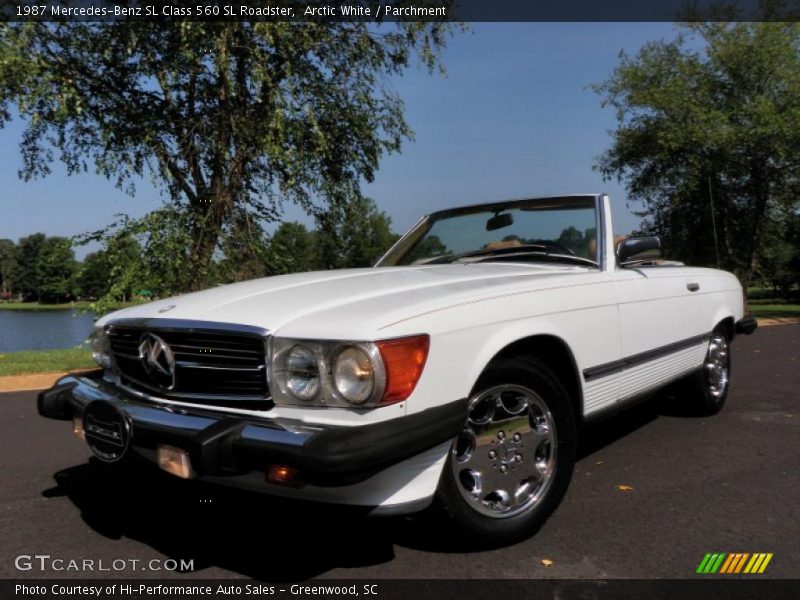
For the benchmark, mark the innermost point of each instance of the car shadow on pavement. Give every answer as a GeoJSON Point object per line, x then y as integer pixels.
{"type": "Point", "coordinates": [668, 402]}
{"type": "Point", "coordinates": [252, 534]}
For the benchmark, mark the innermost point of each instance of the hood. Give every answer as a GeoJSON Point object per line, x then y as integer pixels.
{"type": "Point", "coordinates": [351, 303]}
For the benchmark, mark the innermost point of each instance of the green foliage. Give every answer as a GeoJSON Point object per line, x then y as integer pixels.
{"type": "Point", "coordinates": [352, 234]}
{"type": "Point", "coordinates": [150, 254]}
{"type": "Point", "coordinates": [230, 119]}
{"type": "Point", "coordinates": [26, 275]}
{"type": "Point", "coordinates": [244, 249]}
{"type": "Point", "coordinates": [55, 269]}
{"type": "Point", "coordinates": [432, 245]}
{"type": "Point", "coordinates": [93, 279]}
{"type": "Point", "coordinates": [292, 249]}
{"type": "Point", "coordinates": [779, 262]}
{"type": "Point", "coordinates": [8, 266]}
{"type": "Point", "coordinates": [579, 242]}
{"type": "Point", "coordinates": [713, 125]}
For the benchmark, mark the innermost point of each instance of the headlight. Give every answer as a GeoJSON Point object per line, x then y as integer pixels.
{"type": "Point", "coordinates": [354, 375]}
{"type": "Point", "coordinates": [302, 373]}
{"type": "Point", "coordinates": [345, 373]}
{"type": "Point", "coordinates": [101, 348]}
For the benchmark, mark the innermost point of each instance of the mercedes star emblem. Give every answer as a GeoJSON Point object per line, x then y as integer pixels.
{"type": "Point", "coordinates": [157, 359]}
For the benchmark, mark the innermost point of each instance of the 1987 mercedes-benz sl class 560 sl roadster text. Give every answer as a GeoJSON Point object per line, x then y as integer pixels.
{"type": "Point", "coordinates": [453, 376]}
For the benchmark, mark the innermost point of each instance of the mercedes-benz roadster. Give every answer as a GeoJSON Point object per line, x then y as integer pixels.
{"type": "Point", "coordinates": [452, 376]}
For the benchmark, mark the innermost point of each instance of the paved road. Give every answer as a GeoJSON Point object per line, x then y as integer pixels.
{"type": "Point", "coordinates": [728, 483]}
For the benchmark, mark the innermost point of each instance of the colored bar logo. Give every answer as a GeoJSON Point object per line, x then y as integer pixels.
{"type": "Point", "coordinates": [735, 562]}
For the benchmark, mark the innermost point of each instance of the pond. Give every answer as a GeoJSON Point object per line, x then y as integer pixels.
{"type": "Point", "coordinates": [43, 330]}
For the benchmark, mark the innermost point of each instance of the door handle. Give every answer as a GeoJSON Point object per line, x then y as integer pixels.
{"type": "Point", "coordinates": [692, 287]}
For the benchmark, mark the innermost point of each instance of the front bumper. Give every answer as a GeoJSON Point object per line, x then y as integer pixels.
{"type": "Point", "coordinates": [220, 444]}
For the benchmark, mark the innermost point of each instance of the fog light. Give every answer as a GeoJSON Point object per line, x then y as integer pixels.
{"type": "Point", "coordinates": [175, 461]}
{"type": "Point", "coordinates": [77, 427]}
{"type": "Point", "coordinates": [282, 474]}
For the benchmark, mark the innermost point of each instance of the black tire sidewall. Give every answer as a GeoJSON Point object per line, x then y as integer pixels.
{"type": "Point", "coordinates": [483, 531]}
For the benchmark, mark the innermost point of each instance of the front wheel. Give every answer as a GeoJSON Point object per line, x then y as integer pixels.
{"type": "Point", "coordinates": [510, 466]}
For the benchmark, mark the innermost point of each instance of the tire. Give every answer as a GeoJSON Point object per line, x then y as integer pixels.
{"type": "Point", "coordinates": [707, 389]}
{"type": "Point", "coordinates": [511, 465]}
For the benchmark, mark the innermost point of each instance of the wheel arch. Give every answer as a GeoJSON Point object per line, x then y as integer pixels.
{"type": "Point", "coordinates": [553, 352]}
{"type": "Point", "coordinates": [729, 325]}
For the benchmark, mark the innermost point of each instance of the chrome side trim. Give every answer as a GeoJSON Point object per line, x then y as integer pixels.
{"type": "Point", "coordinates": [636, 359]}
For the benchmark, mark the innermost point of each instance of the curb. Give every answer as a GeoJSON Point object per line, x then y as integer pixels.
{"type": "Point", "coordinates": [778, 321]}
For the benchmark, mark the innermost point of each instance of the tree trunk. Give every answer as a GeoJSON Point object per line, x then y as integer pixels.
{"type": "Point", "coordinates": [761, 192]}
{"type": "Point", "coordinates": [205, 235]}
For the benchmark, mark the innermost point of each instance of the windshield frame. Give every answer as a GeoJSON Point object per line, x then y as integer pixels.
{"type": "Point", "coordinates": [420, 229]}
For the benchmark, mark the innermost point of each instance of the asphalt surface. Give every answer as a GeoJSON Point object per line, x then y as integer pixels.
{"type": "Point", "coordinates": [728, 483]}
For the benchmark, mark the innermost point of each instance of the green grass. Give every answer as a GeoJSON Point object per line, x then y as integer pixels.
{"type": "Point", "coordinates": [774, 311]}
{"type": "Point", "coordinates": [80, 305]}
{"type": "Point", "coordinates": [45, 361]}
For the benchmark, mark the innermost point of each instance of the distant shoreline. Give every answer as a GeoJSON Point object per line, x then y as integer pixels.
{"type": "Point", "coordinates": [82, 305]}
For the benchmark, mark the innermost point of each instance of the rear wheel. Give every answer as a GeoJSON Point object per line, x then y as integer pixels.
{"type": "Point", "coordinates": [511, 464]}
{"type": "Point", "coordinates": [708, 387]}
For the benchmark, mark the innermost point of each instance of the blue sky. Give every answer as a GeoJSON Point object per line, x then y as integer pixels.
{"type": "Point", "coordinates": [513, 117]}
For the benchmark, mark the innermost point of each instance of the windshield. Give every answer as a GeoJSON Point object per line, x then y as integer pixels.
{"type": "Point", "coordinates": [552, 229]}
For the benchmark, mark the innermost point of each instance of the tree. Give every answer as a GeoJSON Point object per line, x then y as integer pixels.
{"type": "Point", "coordinates": [93, 278]}
{"type": "Point", "coordinates": [55, 269]}
{"type": "Point", "coordinates": [712, 127]}
{"type": "Point", "coordinates": [229, 117]}
{"type": "Point", "coordinates": [27, 275]}
{"type": "Point", "coordinates": [245, 250]}
{"type": "Point", "coordinates": [8, 266]}
{"type": "Point", "coordinates": [779, 265]}
{"type": "Point", "coordinates": [292, 249]}
{"type": "Point", "coordinates": [353, 234]}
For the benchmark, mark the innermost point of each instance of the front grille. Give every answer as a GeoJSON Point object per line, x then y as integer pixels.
{"type": "Point", "coordinates": [222, 368]}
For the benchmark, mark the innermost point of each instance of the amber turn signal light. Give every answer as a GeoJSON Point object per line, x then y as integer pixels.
{"type": "Point", "coordinates": [403, 360]}
{"type": "Point", "coordinates": [174, 461]}
{"type": "Point", "coordinates": [283, 475]}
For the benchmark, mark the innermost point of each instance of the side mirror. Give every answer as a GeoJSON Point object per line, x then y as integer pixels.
{"type": "Point", "coordinates": [642, 248]}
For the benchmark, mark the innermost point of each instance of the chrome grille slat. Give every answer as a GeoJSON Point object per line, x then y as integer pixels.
{"type": "Point", "coordinates": [219, 356]}
{"type": "Point", "coordinates": [211, 367]}
{"type": "Point", "coordinates": [217, 347]}
{"type": "Point", "coordinates": [193, 365]}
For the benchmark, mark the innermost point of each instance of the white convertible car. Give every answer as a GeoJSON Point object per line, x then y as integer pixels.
{"type": "Point", "coordinates": [452, 376]}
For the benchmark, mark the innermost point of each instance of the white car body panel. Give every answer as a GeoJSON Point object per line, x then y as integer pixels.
{"type": "Point", "coordinates": [471, 313]}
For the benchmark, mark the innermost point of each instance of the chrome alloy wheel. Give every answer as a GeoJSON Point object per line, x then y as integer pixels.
{"type": "Point", "coordinates": [717, 365]}
{"type": "Point", "coordinates": [504, 460]}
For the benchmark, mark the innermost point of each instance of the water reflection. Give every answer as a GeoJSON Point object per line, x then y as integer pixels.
{"type": "Point", "coordinates": [43, 330]}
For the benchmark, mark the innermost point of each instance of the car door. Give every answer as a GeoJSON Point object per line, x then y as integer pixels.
{"type": "Point", "coordinates": [663, 326]}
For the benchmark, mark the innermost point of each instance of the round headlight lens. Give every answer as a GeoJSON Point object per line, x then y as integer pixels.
{"type": "Point", "coordinates": [354, 375]}
{"type": "Point", "coordinates": [101, 349]}
{"type": "Point", "coordinates": [302, 373]}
